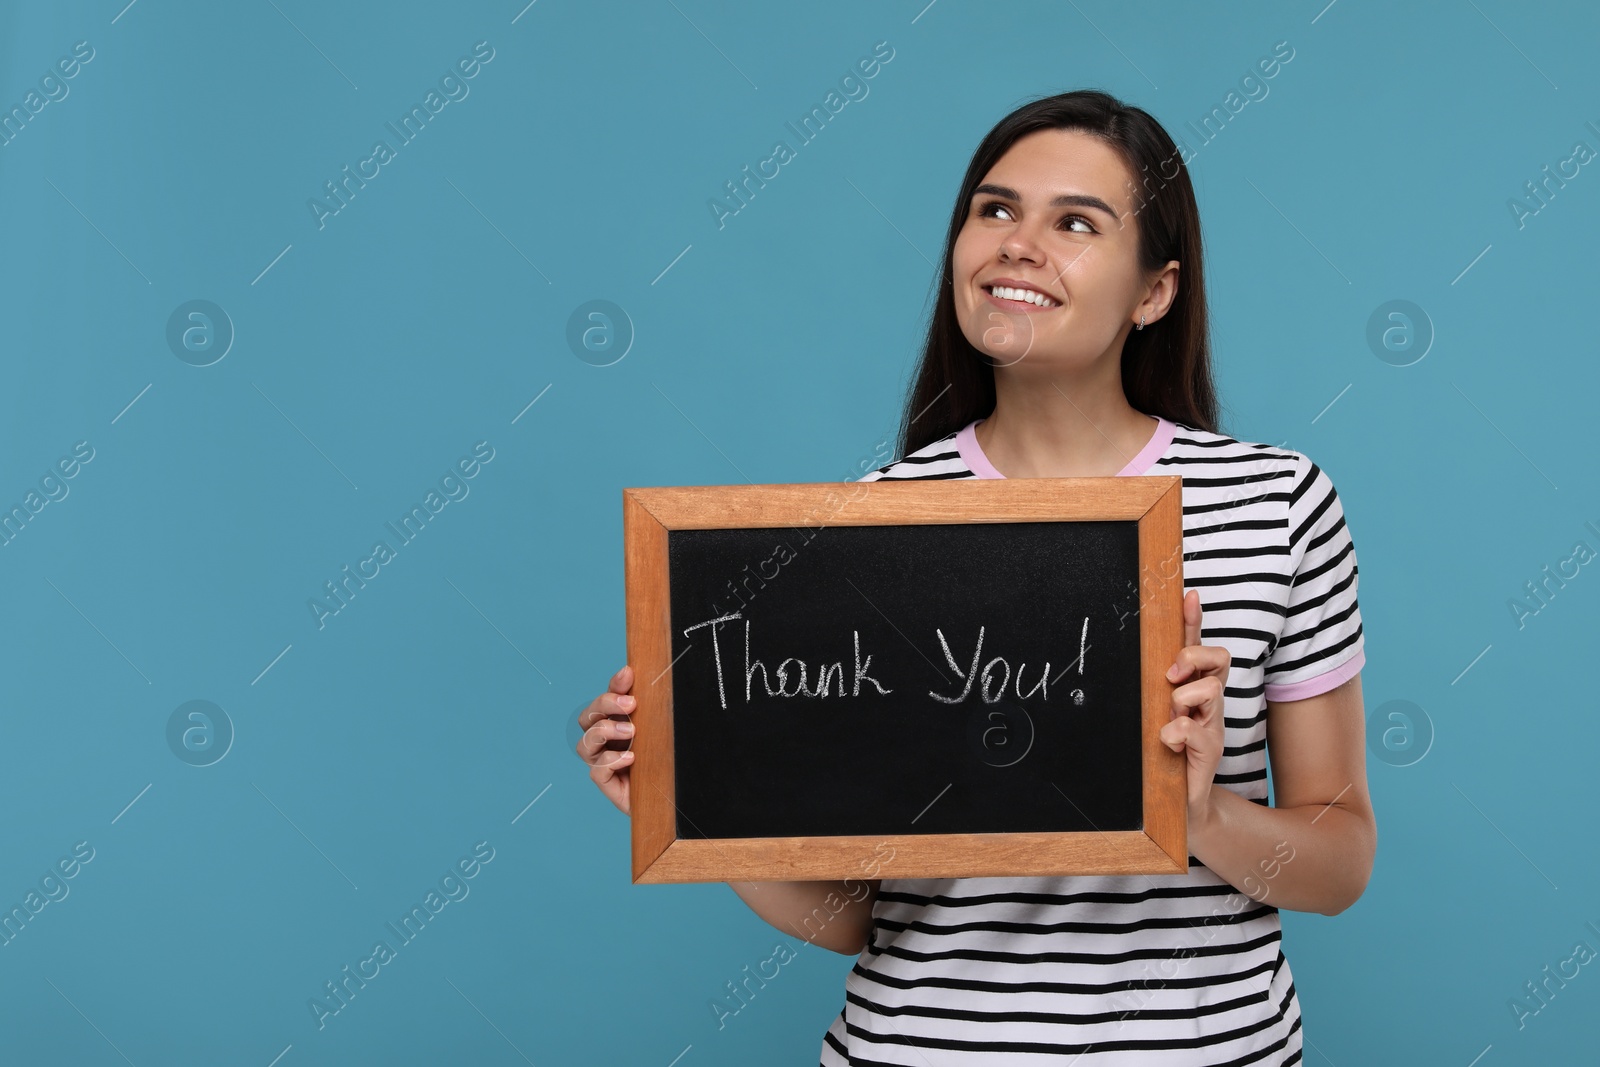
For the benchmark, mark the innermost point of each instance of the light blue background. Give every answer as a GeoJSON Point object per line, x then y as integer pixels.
{"type": "Point", "coordinates": [436, 707]}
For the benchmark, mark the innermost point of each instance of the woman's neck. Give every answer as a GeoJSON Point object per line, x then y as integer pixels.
{"type": "Point", "coordinates": [1054, 428]}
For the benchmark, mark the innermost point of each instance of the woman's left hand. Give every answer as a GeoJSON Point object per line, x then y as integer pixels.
{"type": "Point", "coordinates": [1197, 726]}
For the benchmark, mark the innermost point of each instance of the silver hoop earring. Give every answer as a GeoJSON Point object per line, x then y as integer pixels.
{"type": "Point", "coordinates": [1141, 323]}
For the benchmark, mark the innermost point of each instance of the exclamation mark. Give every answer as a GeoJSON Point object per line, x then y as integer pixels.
{"type": "Point", "coordinates": [1083, 650]}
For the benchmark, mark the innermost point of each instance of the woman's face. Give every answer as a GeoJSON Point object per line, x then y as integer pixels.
{"type": "Point", "coordinates": [1053, 215]}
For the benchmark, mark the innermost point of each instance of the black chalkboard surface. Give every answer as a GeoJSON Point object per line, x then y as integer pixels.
{"type": "Point", "coordinates": [967, 679]}
{"type": "Point", "coordinates": [970, 671]}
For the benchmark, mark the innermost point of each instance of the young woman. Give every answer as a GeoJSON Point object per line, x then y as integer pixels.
{"type": "Point", "coordinates": [1070, 340]}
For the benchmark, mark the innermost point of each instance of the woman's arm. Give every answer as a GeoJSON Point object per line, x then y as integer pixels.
{"type": "Point", "coordinates": [835, 915]}
{"type": "Point", "coordinates": [1313, 850]}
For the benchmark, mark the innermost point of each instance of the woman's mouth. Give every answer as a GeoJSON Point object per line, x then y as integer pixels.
{"type": "Point", "coordinates": [1017, 298]}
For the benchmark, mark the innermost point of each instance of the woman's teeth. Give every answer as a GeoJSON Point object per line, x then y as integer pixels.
{"type": "Point", "coordinates": [1029, 295]}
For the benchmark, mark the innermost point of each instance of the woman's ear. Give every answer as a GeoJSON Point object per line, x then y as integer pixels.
{"type": "Point", "coordinates": [1163, 291]}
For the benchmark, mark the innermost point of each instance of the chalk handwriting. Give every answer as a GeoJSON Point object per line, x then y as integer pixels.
{"type": "Point", "coordinates": [830, 676]}
{"type": "Point", "coordinates": [793, 677]}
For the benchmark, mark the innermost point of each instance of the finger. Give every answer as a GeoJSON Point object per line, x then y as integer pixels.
{"type": "Point", "coordinates": [597, 736]}
{"type": "Point", "coordinates": [1176, 734]}
{"type": "Point", "coordinates": [609, 776]}
{"type": "Point", "coordinates": [622, 681]}
{"type": "Point", "coordinates": [607, 705]}
{"type": "Point", "coordinates": [1199, 659]}
{"type": "Point", "coordinates": [1187, 735]}
{"type": "Point", "coordinates": [1200, 700]}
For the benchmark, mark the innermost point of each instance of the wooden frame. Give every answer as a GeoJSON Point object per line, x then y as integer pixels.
{"type": "Point", "coordinates": [1154, 502]}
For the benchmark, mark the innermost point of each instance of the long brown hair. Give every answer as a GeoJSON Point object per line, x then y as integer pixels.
{"type": "Point", "coordinates": [1166, 367]}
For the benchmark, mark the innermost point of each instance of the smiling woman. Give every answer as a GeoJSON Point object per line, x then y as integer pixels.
{"type": "Point", "coordinates": [1069, 338]}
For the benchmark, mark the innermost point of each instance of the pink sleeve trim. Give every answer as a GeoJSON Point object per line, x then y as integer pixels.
{"type": "Point", "coordinates": [1311, 687]}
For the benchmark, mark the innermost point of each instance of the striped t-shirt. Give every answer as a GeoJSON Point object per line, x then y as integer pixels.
{"type": "Point", "coordinates": [1175, 969]}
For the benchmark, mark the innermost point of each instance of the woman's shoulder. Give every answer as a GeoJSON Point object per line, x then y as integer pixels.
{"type": "Point", "coordinates": [937, 459]}
{"type": "Point", "coordinates": [1220, 470]}
{"type": "Point", "coordinates": [1223, 455]}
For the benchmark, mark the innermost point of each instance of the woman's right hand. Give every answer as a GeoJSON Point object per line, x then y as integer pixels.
{"type": "Point", "coordinates": [602, 729]}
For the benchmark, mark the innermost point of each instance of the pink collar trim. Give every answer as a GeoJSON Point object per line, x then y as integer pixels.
{"type": "Point", "coordinates": [972, 455]}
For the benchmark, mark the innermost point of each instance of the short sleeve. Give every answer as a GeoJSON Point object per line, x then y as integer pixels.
{"type": "Point", "coordinates": [1321, 645]}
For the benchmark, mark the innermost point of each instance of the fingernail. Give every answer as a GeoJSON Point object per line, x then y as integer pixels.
{"type": "Point", "coordinates": [624, 702]}
{"type": "Point", "coordinates": [624, 727]}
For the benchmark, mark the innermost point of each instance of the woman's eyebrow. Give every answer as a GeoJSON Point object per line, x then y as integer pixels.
{"type": "Point", "coordinates": [1064, 200]}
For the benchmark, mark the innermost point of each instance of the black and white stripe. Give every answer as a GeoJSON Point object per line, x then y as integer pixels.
{"type": "Point", "coordinates": [1160, 969]}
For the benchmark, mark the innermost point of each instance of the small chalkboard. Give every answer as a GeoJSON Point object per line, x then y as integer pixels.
{"type": "Point", "coordinates": [968, 675]}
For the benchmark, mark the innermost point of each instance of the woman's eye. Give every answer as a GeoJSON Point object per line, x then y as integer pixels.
{"type": "Point", "coordinates": [990, 209]}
